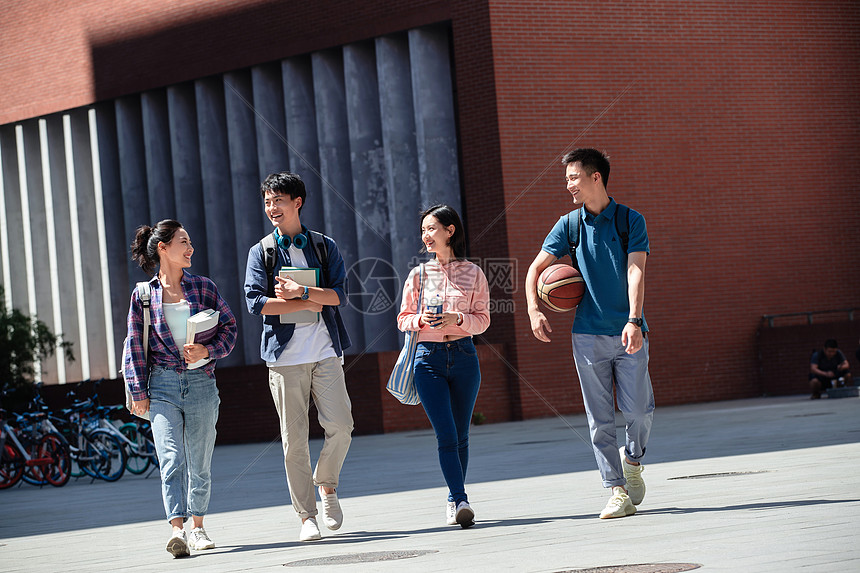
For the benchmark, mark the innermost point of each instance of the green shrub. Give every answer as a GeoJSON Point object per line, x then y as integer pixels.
{"type": "Point", "coordinates": [23, 342]}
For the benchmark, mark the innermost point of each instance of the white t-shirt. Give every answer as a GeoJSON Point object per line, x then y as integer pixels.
{"type": "Point", "coordinates": [176, 314]}
{"type": "Point", "coordinates": [311, 341]}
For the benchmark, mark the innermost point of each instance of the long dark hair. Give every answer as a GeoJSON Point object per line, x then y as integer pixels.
{"type": "Point", "coordinates": [144, 247]}
{"type": "Point", "coordinates": [447, 216]}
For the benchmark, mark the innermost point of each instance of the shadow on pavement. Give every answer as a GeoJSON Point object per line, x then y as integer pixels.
{"type": "Point", "coordinates": [248, 477]}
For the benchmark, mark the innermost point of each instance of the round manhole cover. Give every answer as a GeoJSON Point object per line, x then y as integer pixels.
{"type": "Point", "coordinates": [537, 442]}
{"type": "Point", "coordinates": [353, 558]}
{"type": "Point", "coordinates": [719, 475]}
{"type": "Point", "coordinates": [642, 568]}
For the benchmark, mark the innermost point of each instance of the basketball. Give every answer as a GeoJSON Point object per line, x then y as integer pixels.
{"type": "Point", "coordinates": [560, 287]}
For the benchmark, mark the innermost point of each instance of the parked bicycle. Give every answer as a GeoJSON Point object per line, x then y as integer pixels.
{"type": "Point", "coordinates": [94, 451]}
{"type": "Point", "coordinates": [27, 453]}
{"type": "Point", "coordinates": [136, 436]}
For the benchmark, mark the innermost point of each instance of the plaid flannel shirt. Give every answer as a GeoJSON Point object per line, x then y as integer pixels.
{"type": "Point", "coordinates": [201, 294]}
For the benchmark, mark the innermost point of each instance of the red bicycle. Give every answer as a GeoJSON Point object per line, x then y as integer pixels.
{"type": "Point", "coordinates": [36, 458]}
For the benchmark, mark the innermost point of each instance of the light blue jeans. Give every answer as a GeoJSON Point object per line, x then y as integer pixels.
{"type": "Point", "coordinates": [599, 359]}
{"type": "Point", "coordinates": [184, 408]}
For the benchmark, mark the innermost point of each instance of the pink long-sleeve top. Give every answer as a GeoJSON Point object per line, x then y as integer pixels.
{"type": "Point", "coordinates": [463, 288]}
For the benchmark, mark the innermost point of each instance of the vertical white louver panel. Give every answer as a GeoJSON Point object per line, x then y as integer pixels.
{"type": "Point", "coordinates": [27, 232]}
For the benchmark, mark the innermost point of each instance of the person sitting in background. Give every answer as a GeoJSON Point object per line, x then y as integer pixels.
{"type": "Point", "coordinates": [828, 368]}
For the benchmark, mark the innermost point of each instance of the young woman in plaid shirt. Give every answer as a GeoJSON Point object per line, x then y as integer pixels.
{"type": "Point", "coordinates": [183, 404]}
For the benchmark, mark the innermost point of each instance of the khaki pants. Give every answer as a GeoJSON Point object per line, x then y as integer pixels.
{"type": "Point", "coordinates": [292, 387]}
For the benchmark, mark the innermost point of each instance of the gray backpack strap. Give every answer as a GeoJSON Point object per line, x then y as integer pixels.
{"type": "Point", "coordinates": [318, 242]}
{"type": "Point", "coordinates": [143, 291]}
{"type": "Point", "coordinates": [623, 230]}
{"type": "Point", "coordinates": [622, 227]}
{"type": "Point", "coordinates": [573, 237]}
{"type": "Point", "coordinates": [270, 259]}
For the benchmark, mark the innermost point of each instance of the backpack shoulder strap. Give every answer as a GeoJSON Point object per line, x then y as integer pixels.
{"type": "Point", "coordinates": [321, 250]}
{"type": "Point", "coordinates": [421, 288]}
{"type": "Point", "coordinates": [144, 292]}
{"type": "Point", "coordinates": [270, 258]}
{"type": "Point", "coordinates": [623, 227]}
{"type": "Point", "coordinates": [573, 230]}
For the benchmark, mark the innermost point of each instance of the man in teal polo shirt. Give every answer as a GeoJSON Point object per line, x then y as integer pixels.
{"type": "Point", "coordinates": [609, 331]}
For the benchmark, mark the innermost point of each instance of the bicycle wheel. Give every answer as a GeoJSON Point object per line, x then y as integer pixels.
{"type": "Point", "coordinates": [107, 455]}
{"type": "Point", "coordinates": [77, 466]}
{"type": "Point", "coordinates": [58, 472]}
{"type": "Point", "coordinates": [76, 451]}
{"type": "Point", "coordinates": [150, 444]}
{"type": "Point", "coordinates": [34, 473]}
{"type": "Point", "coordinates": [11, 466]}
{"type": "Point", "coordinates": [83, 462]}
{"type": "Point", "coordinates": [137, 462]}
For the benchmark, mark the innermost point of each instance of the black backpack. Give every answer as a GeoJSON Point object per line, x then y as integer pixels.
{"type": "Point", "coordinates": [270, 258]}
{"type": "Point", "coordinates": [623, 231]}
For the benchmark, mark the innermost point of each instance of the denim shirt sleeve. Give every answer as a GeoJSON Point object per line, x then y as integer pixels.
{"type": "Point", "coordinates": [134, 367]}
{"type": "Point", "coordinates": [255, 281]}
{"type": "Point", "coordinates": [336, 272]}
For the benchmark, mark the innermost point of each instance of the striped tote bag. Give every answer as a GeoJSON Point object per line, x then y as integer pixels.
{"type": "Point", "coordinates": [401, 383]}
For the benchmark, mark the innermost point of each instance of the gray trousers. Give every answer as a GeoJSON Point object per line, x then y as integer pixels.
{"type": "Point", "coordinates": [598, 360]}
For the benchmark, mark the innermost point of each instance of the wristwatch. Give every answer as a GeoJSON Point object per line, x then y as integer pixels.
{"type": "Point", "coordinates": [305, 294]}
{"type": "Point", "coordinates": [637, 321]}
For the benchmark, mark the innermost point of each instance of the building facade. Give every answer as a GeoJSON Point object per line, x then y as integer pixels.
{"type": "Point", "coordinates": [732, 127]}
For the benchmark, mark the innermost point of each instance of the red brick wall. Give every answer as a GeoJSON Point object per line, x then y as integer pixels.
{"type": "Point", "coordinates": [733, 127]}
{"type": "Point", "coordinates": [61, 54]}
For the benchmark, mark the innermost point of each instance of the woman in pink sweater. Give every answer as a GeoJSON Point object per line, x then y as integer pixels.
{"type": "Point", "coordinates": [447, 373]}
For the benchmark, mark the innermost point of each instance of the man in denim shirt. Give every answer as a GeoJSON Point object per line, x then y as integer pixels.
{"type": "Point", "coordinates": [304, 359]}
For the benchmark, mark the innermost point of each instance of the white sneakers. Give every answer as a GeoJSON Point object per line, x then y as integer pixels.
{"type": "Point", "coordinates": [332, 517]}
{"type": "Point", "coordinates": [332, 514]}
{"type": "Point", "coordinates": [623, 503]}
{"type": "Point", "coordinates": [310, 530]}
{"type": "Point", "coordinates": [464, 515]}
{"type": "Point", "coordinates": [451, 513]}
{"type": "Point", "coordinates": [198, 540]}
{"type": "Point", "coordinates": [177, 545]}
{"type": "Point", "coordinates": [180, 542]}
{"type": "Point", "coordinates": [619, 505]}
{"type": "Point", "coordinates": [633, 475]}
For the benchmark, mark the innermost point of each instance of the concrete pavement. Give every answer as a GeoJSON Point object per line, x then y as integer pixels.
{"type": "Point", "coordinates": [759, 485]}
